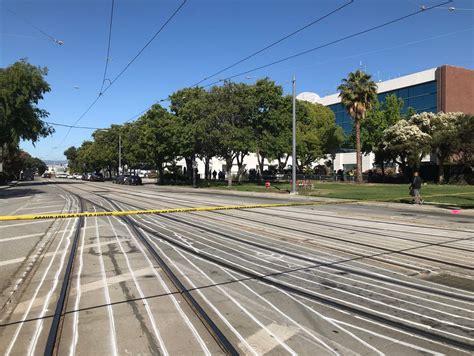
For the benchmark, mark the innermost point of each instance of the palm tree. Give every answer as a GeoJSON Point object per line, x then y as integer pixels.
{"type": "Point", "coordinates": [358, 93]}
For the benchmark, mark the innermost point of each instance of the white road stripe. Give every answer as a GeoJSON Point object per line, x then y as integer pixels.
{"type": "Point", "coordinates": [236, 302]}
{"type": "Point", "coordinates": [27, 311]}
{"type": "Point", "coordinates": [165, 286]}
{"type": "Point", "coordinates": [112, 331]}
{"type": "Point", "coordinates": [75, 323]}
{"type": "Point", "coordinates": [144, 300]}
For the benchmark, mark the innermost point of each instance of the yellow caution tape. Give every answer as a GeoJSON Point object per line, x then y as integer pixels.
{"type": "Point", "coordinates": [159, 211]}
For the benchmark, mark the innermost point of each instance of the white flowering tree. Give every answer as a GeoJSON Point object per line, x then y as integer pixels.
{"type": "Point", "coordinates": [406, 144]}
{"type": "Point", "coordinates": [438, 133]}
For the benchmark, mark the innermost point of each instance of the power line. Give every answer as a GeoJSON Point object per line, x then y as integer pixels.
{"type": "Point", "coordinates": [330, 43]}
{"type": "Point", "coordinates": [59, 42]}
{"type": "Point", "coordinates": [108, 46]}
{"type": "Point", "coordinates": [146, 45]}
{"type": "Point", "coordinates": [124, 69]}
{"type": "Point", "coordinates": [73, 127]}
{"type": "Point", "coordinates": [313, 49]}
{"type": "Point", "coordinates": [275, 43]}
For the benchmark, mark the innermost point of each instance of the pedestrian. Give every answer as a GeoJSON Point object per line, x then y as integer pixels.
{"type": "Point", "coordinates": [415, 188]}
{"type": "Point", "coordinates": [214, 174]}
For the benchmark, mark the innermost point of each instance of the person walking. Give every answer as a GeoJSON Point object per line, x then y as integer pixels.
{"type": "Point", "coordinates": [415, 189]}
{"type": "Point", "coordinates": [214, 174]}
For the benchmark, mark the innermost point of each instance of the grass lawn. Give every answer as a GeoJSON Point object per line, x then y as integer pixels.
{"type": "Point", "coordinates": [456, 195]}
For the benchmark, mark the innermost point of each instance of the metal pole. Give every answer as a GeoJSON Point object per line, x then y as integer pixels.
{"type": "Point", "coordinates": [293, 188]}
{"type": "Point", "coordinates": [194, 171]}
{"type": "Point", "coordinates": [120, 153]}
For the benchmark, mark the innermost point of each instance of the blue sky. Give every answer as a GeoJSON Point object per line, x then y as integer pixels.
{"type": "Point", "coordinates": [208, 35]}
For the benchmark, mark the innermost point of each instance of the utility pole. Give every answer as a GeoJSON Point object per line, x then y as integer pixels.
{"type": "Point", "coordinates": [293, 166]}
{"type": "Point", "coordinates": [194, 171]}
{"type": "Point", "coordinates": [120, 153]}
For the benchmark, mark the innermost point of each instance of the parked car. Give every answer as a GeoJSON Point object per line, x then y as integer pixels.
{"type": "Point", "coordinates": [119, 179]}
{"type": "Point", "coordinates": [77, 176]}
{"type": "Point", "coordinates": [46, 175]}
{"type": "Point", "coordinates": [96, 177]}
{"type": "Point", "coordinates": [61, 175]}
{"type": "Point", "coordinates": [133, 180]}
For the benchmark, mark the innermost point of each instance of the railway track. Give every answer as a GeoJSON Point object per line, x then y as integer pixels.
{"type": "Point", "coordinates": [207, 321]}
{"type": "Point", "coordinates": [269, 279]}
{"type": "Point", "coordinates": [56, 325]}
{"type": "Point", "coordinates": [405, 252]}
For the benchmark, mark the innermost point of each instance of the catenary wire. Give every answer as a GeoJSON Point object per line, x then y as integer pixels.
{"type": "Point", "coordinates": [55, 40]}
{"type": "Point", "coordinates": [274, 43]}
{"type": "Point", "coordinates": [308, 51]}
{"type": "Point", "coordinates": [327, 44]}
{"type": "Point", "coordinates": [107, 58]}
{"type": "Point", "coordinates": [123, 71]}
{"type": "Point", "coordinates": [305, 52]}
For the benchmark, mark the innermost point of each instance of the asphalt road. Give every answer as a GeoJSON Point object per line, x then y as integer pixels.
{"type": "Point", "coordinates": [314, 280]}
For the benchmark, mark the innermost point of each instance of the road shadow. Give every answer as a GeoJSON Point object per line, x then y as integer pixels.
{"type": "Point", "coordinates": [18, 193]}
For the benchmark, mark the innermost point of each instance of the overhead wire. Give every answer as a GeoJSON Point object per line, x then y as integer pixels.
{"type": "Point", "coordinates": [275, 42]}
{"type": "Point", "coordinates": [327, 44]}
{"type": "Point", "coordinates": [107, 58]}
{"type": "Point", "coordinates": [55, 40]}
{"type": "Point", "coordinates": [100, 95]}
{"type": "Point", "coordinates": [314, 49]}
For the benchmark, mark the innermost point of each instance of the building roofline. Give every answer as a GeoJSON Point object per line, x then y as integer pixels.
{"type": "Point", "coordinates": [382, 87]}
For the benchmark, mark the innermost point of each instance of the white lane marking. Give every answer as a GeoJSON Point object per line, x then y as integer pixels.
{"type": "Point", "coordinates": [294, 275]}
{"type": "Point", "coordinates": [93, 286]}
{"type": "Point", "coordinates": [424, 326]}
{"type": "Point", "coordinates": [26, 236]}
{"type": "Point", "coordinates": [75, 324]}
{"type": "Point", "coordinates": [27, 311]}
{"type": "Point", "coordinates": [216, 310]}
{"type": "Point", "coordinates": [39, 323]}
{"type": "Point", "coordinates": [15, 224]}
{"type": "Point", "coordinates": [166, 288]}
{"type": "Point", "coordinates": [297, 325]}
{"type": "Point", "coordinates": [287, 294]}
{"type": "Point", "coordinates": [374, 273]}
{"type": "Point", "coordinates": [43, 207]}
{"type": "Point", "coordinates": [106, 291]}
{"type": "Point", "coordinates": [264, 343]}
{"type": "Point", "coordinates": [240, 306]}
{"type": "Point", "coordinates": [144, 300]}
{"type": "Point", "coordinates": [396, 341]}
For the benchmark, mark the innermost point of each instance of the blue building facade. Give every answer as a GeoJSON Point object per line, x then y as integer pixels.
{"type": "Point", "coordinates": [421, 97]}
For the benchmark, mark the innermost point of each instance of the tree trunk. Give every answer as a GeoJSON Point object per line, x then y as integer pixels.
{"type": "Point", "coordinates": [207, 173]}
{"type": "Point", "coordinates": [159, 166]}
{"type": "Point", "coordinates": [358, 153]}
{"type": "Point", "coordinates": [440, 170]}
{"type": "Point", "coordinates": [189, 168]}
{"type": "Point", "coordinates": [240, 165]}
{"type": "Point", "coordinates": [261, 163]}
{"type": "Point", "coordinates": [229, 161]}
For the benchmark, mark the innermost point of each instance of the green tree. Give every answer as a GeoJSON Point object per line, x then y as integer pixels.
{"type": "Point", "coordinates": [189, 107]}
{"type": "Point", "coordinates": [234, 108]}
{"type": "Point", "coordinates": [156, 138]}
{"type": "Point", "coordinates": [378, 119]}
{"type": "Point", "coordinates": [358, 92]}
{"type": "Point", "coordinates": [316, 133]}
{"type": "Point", "coordinates": [271, 122]}
{"type": "Point", "coordinates": [71, 156]}
{"type": "Point", "coordinates": [22, 86]}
